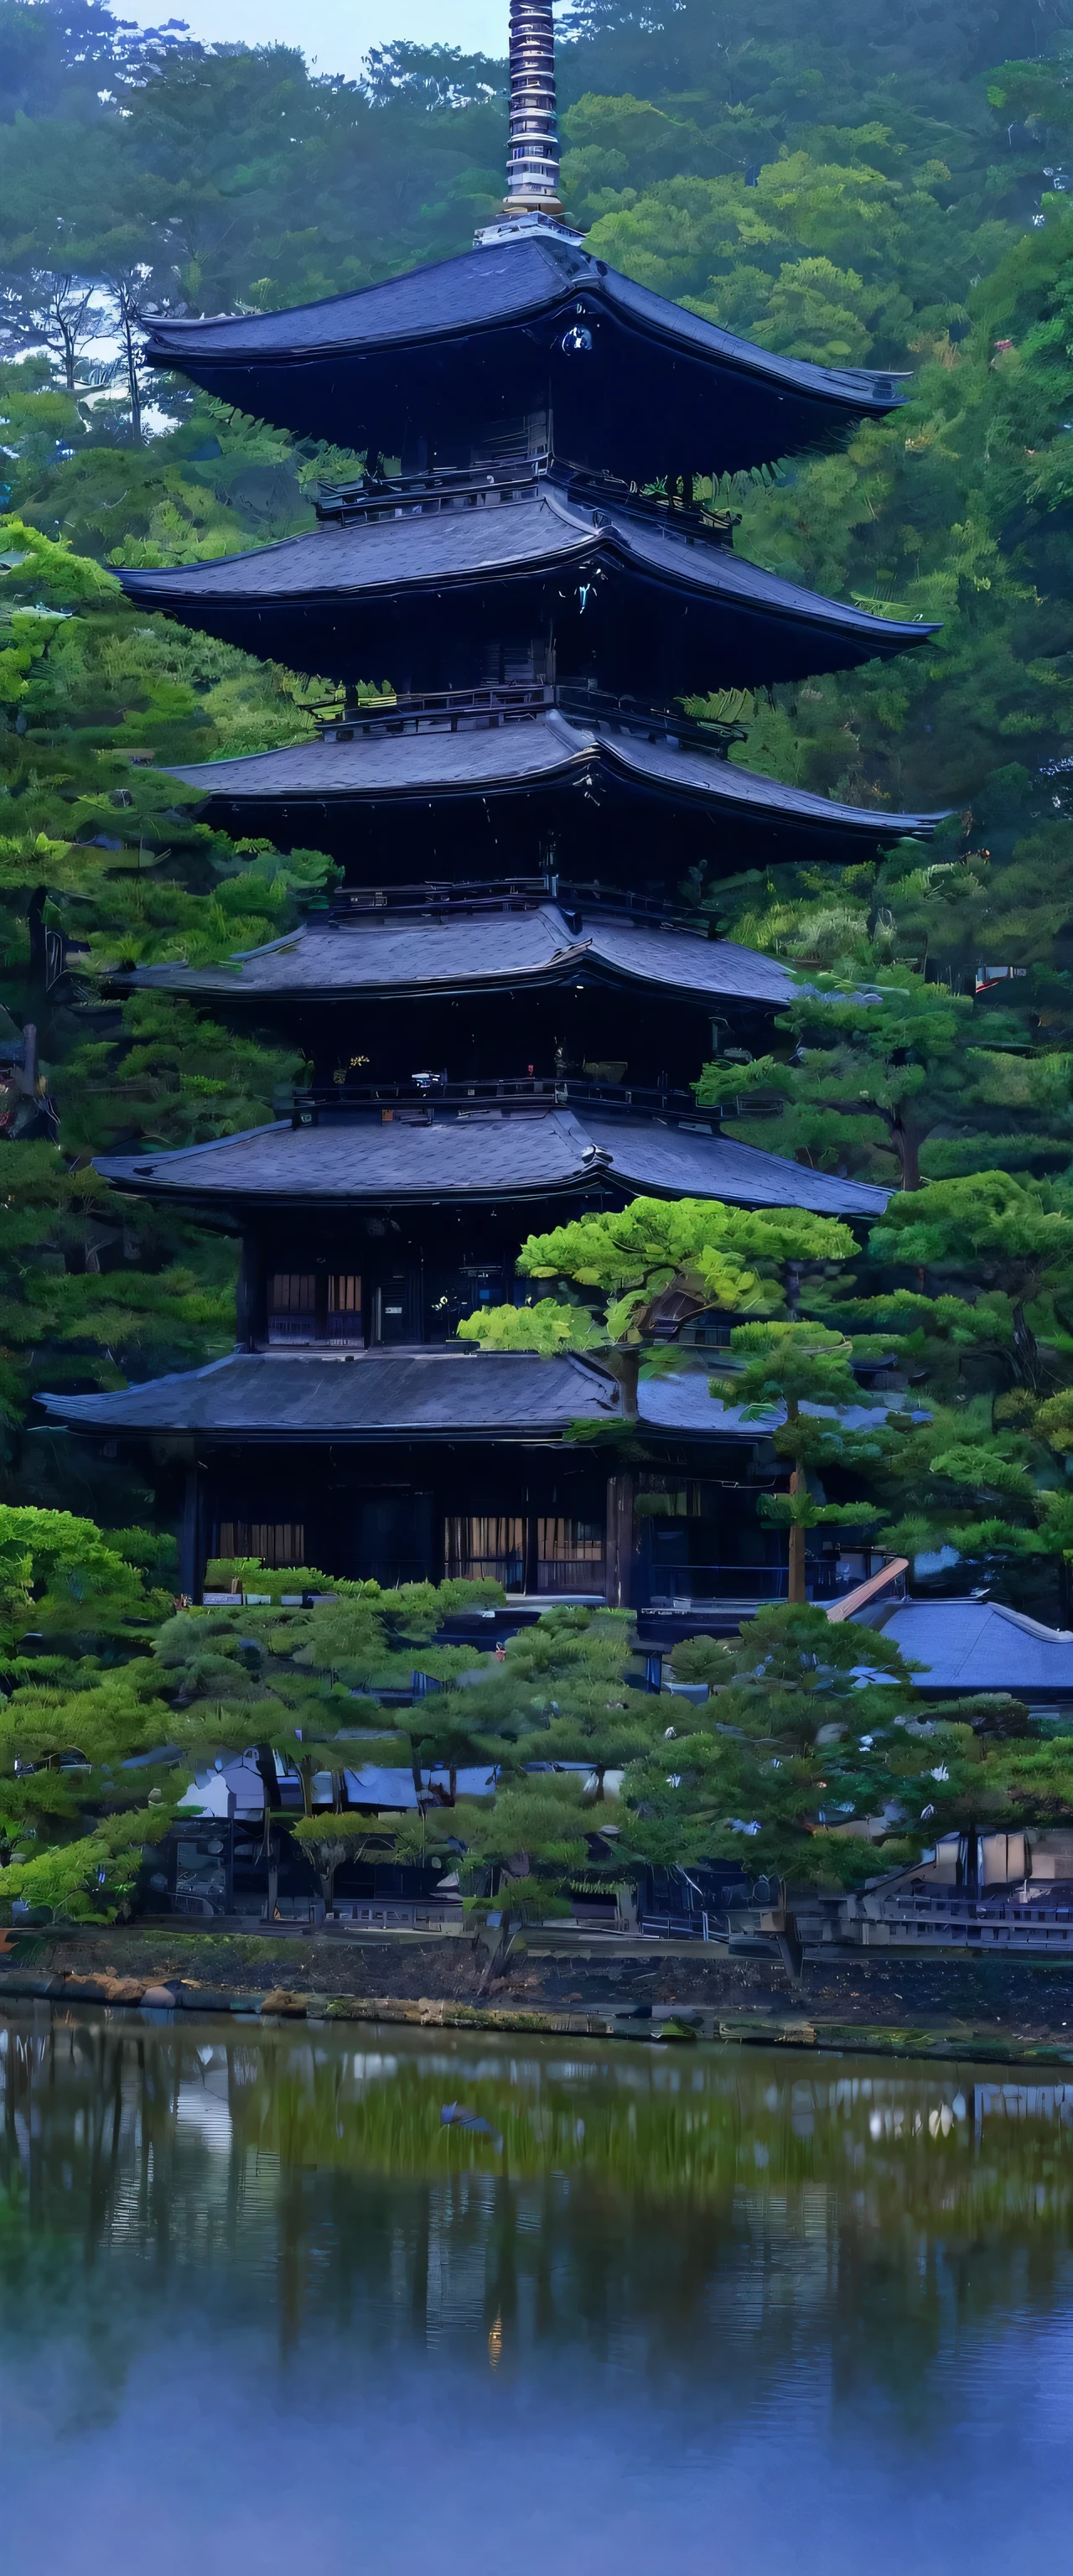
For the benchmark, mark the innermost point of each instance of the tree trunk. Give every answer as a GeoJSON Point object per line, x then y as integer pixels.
{"type": "Point", "coordinates": [628, 1371]}
{"type": "Point", "coordinates": [266, 1765]}
{"type": "Point", "coordinates": [907, 1145]}
{"type": "Point", "coordinates": [1026, 1360]}
{"type": "Point", "coordinates": [795, 1590]}
{"type": "Point", "coordinates": [130, 359]}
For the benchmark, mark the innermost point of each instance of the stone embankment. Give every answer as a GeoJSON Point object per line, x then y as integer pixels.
{"type": "Point", "coordinates": [989, 2010]}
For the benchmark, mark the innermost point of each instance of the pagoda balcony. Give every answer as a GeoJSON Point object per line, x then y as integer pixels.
{"type": "Point", "coordinates": [433, 710]}
{"type": "Point", "coordinates": [513, 701]}
{"type": "Point", "coordinates": [434, 897]}
{"type": "Point", "coordinates": [424, 1094]}
{"type": "Point", "coordinates": [504, 479]}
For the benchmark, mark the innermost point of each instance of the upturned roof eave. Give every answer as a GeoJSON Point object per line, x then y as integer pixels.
{"type": "Point", "coordinates": [806, 611]}
{"type": "Point", "coordinates": [568, 274]}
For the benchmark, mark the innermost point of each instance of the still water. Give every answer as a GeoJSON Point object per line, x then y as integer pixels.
{"type": "Point", "coordinates": [698, 2309]}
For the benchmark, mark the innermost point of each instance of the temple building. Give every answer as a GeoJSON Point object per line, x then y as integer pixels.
{"type": "Point", "coordinates": [508, 1001]}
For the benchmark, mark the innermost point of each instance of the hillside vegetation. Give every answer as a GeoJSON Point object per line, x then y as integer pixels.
{"type": "Point", "coordinates": [892, 190]}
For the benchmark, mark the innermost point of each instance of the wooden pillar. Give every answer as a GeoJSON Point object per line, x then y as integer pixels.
{"type": "Point", "coordinates": [250, 1321]}
{"type": "Point", "coordinates": [530, 1541]}
{"type": "Point", "coordinates": [192, 1534]}
{"type": "Point", "coordinates": [619, 1571]}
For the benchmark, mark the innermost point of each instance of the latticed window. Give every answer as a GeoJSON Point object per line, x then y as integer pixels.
{"type": "Point", "coordinates": [569, 1551]}
{"type": "Point", "coordinates": [275, 1542]}
{"type": "Point", "coordinates": [490, 1543]}
{"type": "Point", "coordinates": [570, 1554]}
{"type": "Point", "coordinates": [292, 1306]}
{"type": "Point", "coordinates": [296, 1314]}
{"type": "Point", "coordinates": [344, 1306]}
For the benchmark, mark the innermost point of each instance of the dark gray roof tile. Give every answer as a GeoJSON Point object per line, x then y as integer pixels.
{"type": "Point", "coordinates": [503, 282]}
{"type": "Point", "coordinates": [441, 1394]}
{"type": "Point", "coordinates": [391, 956]}
{"type": "Point", "coordinates": [438, 1395]}
{"type": "Point", "coordinates": [513, 759]}
{"type": "Point", "coordinates": [485, 1154]}
{"type": "Point", "coordinates": [538, 534]}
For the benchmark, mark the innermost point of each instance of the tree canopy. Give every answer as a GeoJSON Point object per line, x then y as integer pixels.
{"type": "Point", "coordinates": [887, 189]}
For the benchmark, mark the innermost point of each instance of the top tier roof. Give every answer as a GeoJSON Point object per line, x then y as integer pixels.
{"type": "Point", "coordinates": [629, 381]}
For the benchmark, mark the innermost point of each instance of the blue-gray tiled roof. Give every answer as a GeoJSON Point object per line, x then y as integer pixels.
{"type": "Point", "coordinates": [383, 955]}
{"type": "Point", "coordinates": [453, 1394]}
{"type": "Point", "coordinates": [511, 281]}
{"type": "Point", "coordinates": [441, 1394]}
{"type": "Point", "coordinates": [545, 750]}
{"type": "Point", "coordinates": [485, 1154]}
{"type": "Point", "coordinates": [535, 535]}
{"type": "Point", "coordinates": [980, 1646]}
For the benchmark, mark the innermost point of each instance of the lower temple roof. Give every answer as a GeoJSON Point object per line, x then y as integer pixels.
{"type": "Point", "coordinates": [440, 763]}
{"type": "Point", "coordinates": [386, 955]}
{"type": "Point", "coordinates": [441, 1395]}
{"type": "Point", "coordinates": [425, 1156]}
{"type": "Point", "coordinates": [434, 1395]}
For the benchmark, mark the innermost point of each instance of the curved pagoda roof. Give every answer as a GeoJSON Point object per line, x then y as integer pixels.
{"type": "Point", "coordinates": [459, 1393]}
{"type": "Point", "coordinates": [639, 604]}
{"type": "Point", "coordinates": [478, 1156]}
{"type": "Point", "coordinates": [432, 767]}
{"type": "Point", "coordinates": [381, 956]}
{"type": "Point", "coordinates": [384, 956]}
{"type": "Point", "coordinates": [630, 381]}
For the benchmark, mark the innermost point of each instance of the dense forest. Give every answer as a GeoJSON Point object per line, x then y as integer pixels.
{"type": "Point", "coordinates": [892, 190]}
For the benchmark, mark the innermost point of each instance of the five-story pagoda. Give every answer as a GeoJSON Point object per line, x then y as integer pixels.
{"type": "Point", "coordinates": [505, 1007]}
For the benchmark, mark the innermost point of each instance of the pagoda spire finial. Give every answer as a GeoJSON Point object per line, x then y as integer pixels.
{"type": "Point", "coordinates": [533, 151]}
{"type": "Point", "coordinates": [532, 201]}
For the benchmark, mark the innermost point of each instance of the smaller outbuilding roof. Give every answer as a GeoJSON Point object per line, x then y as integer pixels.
{"type": "Point", "coordinates": [969, 1645]}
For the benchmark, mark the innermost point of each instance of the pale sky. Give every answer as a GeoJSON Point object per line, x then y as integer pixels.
{"type": "Point", "coordinates": [335, 35]}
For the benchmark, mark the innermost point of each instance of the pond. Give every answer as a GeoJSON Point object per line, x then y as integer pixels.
{"type": "Point", "coordinates": [263, 2309]}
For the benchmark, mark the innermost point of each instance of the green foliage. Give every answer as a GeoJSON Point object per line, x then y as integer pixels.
{"type": "Point", "coordinates": [873, 1074]}
{"type": "Point", "coordinates": [799, 1378]}
{"type": "Point", "coordinates": [823, 1755]}
{"type": "Point", "coordinates": [659, 1264]}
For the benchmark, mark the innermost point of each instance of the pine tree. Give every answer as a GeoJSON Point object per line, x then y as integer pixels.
{"type": "Point", "coordinates": [658, 1265]}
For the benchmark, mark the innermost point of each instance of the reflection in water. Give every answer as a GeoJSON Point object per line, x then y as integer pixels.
{"type": "Point", "coordinates": [715, 2303]}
